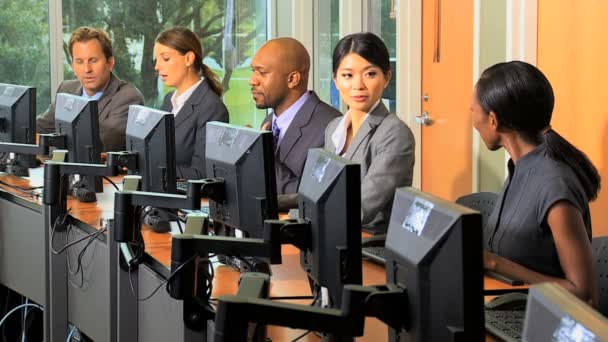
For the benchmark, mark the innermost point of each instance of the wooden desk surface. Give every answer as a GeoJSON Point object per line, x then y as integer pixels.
{"type": "Point", "coordinates": [288, 279]}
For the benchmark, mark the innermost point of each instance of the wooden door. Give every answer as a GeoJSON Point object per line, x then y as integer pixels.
{"type": "Point", "coordinates": [447, 80]}
{"type": "Point", "coordinates": [572, 52]}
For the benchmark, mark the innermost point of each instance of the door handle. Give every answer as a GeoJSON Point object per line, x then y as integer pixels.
{"type": "Point", "coordinates": [424, 119]}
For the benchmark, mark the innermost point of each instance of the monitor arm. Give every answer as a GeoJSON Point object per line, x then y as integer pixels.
{"type": "Point", "coordinates": [122, 159]}
{"type": "Point", "coordinates": [386, 302]}
{"type": "Point", "coordinates": [293, 232]}
{"type": "Point", "coordinates": [186, 246]}
{"type": "Point", "coordinates": [125, 202]}
{"type": "Point", "coordinates": [53, 169]}
{"type": "Point", "coordinates": [46, 141]}
{"type": "Point", "coordinates": [55, 191]}
{"type": "Point", "coordinates": [214, 189]}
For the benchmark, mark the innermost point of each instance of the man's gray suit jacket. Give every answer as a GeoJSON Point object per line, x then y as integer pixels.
{"type": "Point", "coordinates": [113, 109]}
{"type": "Point", "coordinates": [384, 146]}
{"type": "Point", "coordinates": [304, 132]}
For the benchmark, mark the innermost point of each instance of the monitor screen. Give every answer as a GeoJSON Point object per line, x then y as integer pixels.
{"type": "Point", "coordinates": [76, 117]}
{"type": "Point", "coordinates": [18, 119]}
{"type": "Point", "coordinates": [554, 314]}
{"type": "Point", "coordinates": [434, 250]}
{"type": "Point", "coordinates": [151, 133]}
{"type": "Point", "coordinates": [330, 200]}
{"type": "Point", "coordinates": [244, 158]}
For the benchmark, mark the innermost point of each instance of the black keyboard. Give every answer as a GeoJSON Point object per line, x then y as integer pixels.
{"type": "Point", "coordinates": [375, 254]}
{"type": "Point", "coordinates": [505, 324]}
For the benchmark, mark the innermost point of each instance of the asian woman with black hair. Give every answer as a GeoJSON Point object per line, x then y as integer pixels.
{"type": "Point", "coordinates": [368, 134]}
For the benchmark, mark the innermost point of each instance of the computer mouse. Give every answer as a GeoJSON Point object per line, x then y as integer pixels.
{"type": "Point", "coordinates": [509, 302]}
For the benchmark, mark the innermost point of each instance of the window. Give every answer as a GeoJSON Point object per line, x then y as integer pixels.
{"type": "Point", "coordinates": [328, 35]}
{"type": "Point", "coordinates": [24, 42]}
{"type": "Point", "coordinates": [382, 21]}
{"type": "Point", "coordinates": [133, 29]}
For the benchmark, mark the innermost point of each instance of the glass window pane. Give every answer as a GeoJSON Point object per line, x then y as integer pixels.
{"type": "Point", "coordinates": [382, 21]}
{"type": "Point", "coordinates": [133, 29]}
{"type": "Point", "coordinates": [26, 64]}
{"type": "Point", "coordinates": [328, 35]}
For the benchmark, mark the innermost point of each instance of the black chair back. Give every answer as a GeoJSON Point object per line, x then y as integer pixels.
{"type": "Point", "coordinates": [600, 250]}
{"type": "Point", "coordinates": [480, 201]}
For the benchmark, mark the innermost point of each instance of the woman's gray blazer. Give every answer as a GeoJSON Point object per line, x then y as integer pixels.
{"type": "Point", "coordinates": [384, 146]}
{"type": "Point", "coordinates": [190, 123]}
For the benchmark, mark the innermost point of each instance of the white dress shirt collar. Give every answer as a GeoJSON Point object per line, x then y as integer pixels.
{"type": "Point", "coordinates": [338, 137]}
{"type": "Point", "coordinates": [178, 101]}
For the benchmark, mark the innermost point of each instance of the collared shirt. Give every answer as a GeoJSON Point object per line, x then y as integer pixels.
{"type": "Point", "coordinates": [338, 137]}
{"type": "Point", "coordinates": [283, 121]}
{"type": "Point", "coordinates": [178, 101]}
{"type": "Point", "coordinates": [518, 229]}
{"type": "Point", "coordinates": [95, 96]}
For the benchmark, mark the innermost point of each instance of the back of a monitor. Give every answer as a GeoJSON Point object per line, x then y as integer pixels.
{"type": "Point", "coordinates": [330, 199]}
{"type": "Point", "coordinates": [554, 314]}
{"type": "Point", "coordinates": [151, 133]}
{"type": "Point", "coordinates": [434, 250]}
{"type": "Point", "coordinates": [77, 118]}
{"type": "Point", "coordinates": [244, 158]}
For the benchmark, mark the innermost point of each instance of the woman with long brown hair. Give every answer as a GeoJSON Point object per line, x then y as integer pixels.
{"type": "Point", "coordinates": [196, 99]}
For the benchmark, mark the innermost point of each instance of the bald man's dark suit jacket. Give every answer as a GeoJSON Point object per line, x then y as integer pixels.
{"type": "Point", "coordinates": [113, 109]}
{"type": "Point", "coordinates": [190, 124]}
{"type": "Point", "coordinates": [306, 131]}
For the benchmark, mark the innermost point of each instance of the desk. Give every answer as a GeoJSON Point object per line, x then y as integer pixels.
{"type": "Point", "coordinates": [22, 240]}
{"type": "Point", "coordinates": [159, 318]}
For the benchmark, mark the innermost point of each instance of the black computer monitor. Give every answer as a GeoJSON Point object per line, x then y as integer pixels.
{"type": "Point", "coordinates": [244, 159]}
{"type": "Point", "coordinates": [151, 133]}
{"type": "Point", "coordinates": [554, 314]}
{"type": "Point", "coordinates": [18, 119]}
{"type": "Point", "coordinates": [329, 198]}
{"type": "Point", "coordinates": [434, 250]}
{"type": "Point", "coordinates": [77, 118]}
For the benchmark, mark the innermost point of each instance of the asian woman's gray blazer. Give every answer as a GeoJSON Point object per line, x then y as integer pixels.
{"type": "Point", "coordinates": [384, 146]}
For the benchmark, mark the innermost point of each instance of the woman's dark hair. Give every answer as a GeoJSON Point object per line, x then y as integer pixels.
{"type": "Point", "coordinates": [366, 45]}
{"type": "Point", "coordinates": [183, 40]}
{"type": "Point", "coordinates": [522, 99]}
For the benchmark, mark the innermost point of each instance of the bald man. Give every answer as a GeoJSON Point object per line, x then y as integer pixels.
{"type": "Point", "coordinates": [280, 82]}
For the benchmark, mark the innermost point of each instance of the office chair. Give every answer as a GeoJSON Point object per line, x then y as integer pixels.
{"type": "Point", "coordinates": [480, 201]}
{"type": "Point", "coordinates": [600, 250]}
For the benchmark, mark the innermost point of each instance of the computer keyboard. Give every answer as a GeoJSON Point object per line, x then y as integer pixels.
{"type": "Point", "coordinates": [375, 254]}
{"type": "Point", "coordinates": [505, 324]}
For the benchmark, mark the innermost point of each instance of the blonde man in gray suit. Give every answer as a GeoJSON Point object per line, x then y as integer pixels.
{"type": "Point", "coordinates": [280, 82]}
{"type": "Point", "coordinates": [368, 133]}
{"type": "Point", "coordinates": [92, 62]}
